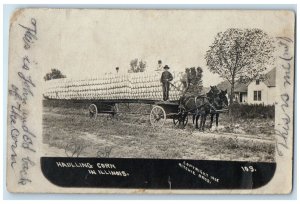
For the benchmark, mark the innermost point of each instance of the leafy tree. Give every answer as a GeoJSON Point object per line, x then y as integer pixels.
{"type": "Point", "coordinates": [54, 74]}
{"type": "Point", "coordinates": [240, 54]}
{"type": "Point", "coordinates": [137, 65]}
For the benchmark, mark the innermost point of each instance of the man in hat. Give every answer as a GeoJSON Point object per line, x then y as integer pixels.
{"type": "Point", "coordinates": [165, 79]}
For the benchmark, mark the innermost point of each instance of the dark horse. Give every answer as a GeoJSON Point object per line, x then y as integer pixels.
{"type": "Point", "coordinates": [220, 102]}
{"type": "Point", "coordinates": [203, 105]}
{"type": "Point", "coordinates": [198, 106]}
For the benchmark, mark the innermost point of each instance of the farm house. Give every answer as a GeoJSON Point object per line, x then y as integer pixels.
{"type": "Point", "coordinates": [255, 92]}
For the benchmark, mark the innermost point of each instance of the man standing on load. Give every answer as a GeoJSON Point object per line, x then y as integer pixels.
{"type": "Point", "coordinates": [165, 79]}
{"type": "Point", "coordinates": [159, 66]}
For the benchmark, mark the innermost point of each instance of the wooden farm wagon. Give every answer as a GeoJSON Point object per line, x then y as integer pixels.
{"type": "Point", "coordinates": [160, 110]}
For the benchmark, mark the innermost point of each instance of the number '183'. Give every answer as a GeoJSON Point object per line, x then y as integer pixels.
{"type": "Point", "coordinates": [248, 168]}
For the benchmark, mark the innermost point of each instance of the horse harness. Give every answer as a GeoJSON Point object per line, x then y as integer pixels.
{"type": "Point", "coordinates": [196, 106]}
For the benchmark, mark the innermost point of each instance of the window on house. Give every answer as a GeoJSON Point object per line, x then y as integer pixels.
{"type": "Point", "coordinates": [257, 82]}
{"type": "Point", "coordinates": [257, 96]}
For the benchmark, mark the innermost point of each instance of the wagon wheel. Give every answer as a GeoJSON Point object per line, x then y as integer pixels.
{"type": "Point", "coordinates": [181, 119]}
{"type": "Point", "coordinates": [93, 111]}
{"type": "Point", "coordinates": [157, 117]}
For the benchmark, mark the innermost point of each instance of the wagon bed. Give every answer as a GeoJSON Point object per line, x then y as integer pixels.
{"type": "Point", "coordinates": [160, 110]}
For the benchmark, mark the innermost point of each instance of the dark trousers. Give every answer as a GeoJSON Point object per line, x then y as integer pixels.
{"type": "Point", "coordinates": [166, 88]}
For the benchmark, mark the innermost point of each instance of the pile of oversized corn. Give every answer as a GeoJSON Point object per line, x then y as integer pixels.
{"type": "Point", "coordinates": [113, 86]}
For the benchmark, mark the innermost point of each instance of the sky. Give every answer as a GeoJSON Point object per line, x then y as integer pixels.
{"type": "Point", "coordinates": [89, 43]}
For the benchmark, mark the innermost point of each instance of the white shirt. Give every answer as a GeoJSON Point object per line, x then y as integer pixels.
{"type": "Point", "coordinates": [159, 68]}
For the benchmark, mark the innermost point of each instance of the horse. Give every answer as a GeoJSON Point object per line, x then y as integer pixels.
{"type": "Point", "coordinates": [223, 103]}
{"type": "Point", "coordinates": [217, 100]}
{"type": "Point", "coordinates": [213, 100]}
{"type": "Point", "coordinates": [199, 106]}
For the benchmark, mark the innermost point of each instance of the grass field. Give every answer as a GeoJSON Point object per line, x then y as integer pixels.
{"type": "Point", "coordinates": [68, 131]}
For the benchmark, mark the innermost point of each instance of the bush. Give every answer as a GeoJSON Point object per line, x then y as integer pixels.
{"type": "Point", "coordinates": [252, 111]}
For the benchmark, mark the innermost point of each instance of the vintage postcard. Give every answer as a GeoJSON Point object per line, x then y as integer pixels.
{"type": "Point", "coordinates": [151, 101]}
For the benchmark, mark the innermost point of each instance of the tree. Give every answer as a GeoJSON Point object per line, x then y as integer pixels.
{"type": "Point", "coordinates": [54, 74]}
{"type": "Point", "coordinates": [137, 65]}
{"type": "Point", "coordinates": [240, 54]}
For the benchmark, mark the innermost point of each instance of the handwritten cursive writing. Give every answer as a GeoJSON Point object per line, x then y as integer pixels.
{"type": "Point", "coordinates": [104, 153]}
{"type": "Point", "coordinates": [26, 164]}
{"type": "Point", "coordinates": [21, 91]}
{"type": "Point", "coordinates": [14, 132]}
{"type": "Point", "coordinates": [74, 148]}
{"type": "Point", "coordinates": [283, 130]}
{"type": "Point", "coordinates": [30, 34]}
{"type": "Point", "coordinates": [282, 134]}
{"type": "Point", "coordinates": [22, 94]}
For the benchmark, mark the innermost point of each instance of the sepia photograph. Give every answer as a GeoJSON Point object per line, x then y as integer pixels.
{"type": "Point", "coordinates": [150, 99]}
{"type": "Point", "coordinates": [143, 90]}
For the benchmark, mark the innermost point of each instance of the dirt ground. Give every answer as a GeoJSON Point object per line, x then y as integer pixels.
{"type": "Point", "coordinates": [70, 132]}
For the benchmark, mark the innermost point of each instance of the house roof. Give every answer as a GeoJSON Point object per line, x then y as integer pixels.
{"type": "Point", "coordinates": [241, 87]}
{"type": "Point", "coordinates": [270, 79]}
{"type": "Point", "coordinates": [238, 87]}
